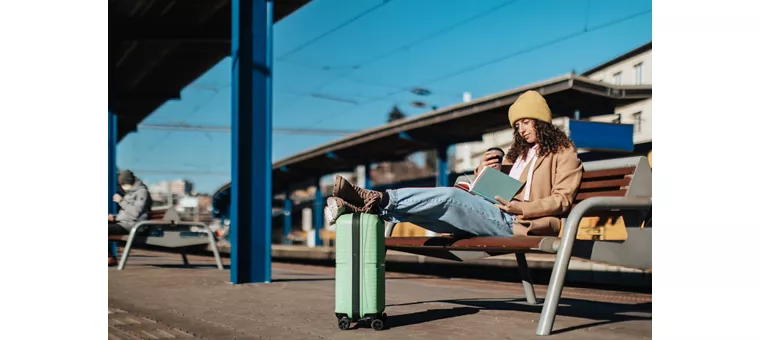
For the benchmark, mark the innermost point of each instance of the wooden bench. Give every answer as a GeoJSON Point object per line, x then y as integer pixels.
{"type": "Point", "coordinates": [153, 215]}
{"type": "Point", "coordinates": [297, 237]}
{"type": "Point", "coordinates": [328, 237]}
{"type": "Point", "coordinates": [618, 185]}
{"type": "Point", "coordinates": [165, 229]}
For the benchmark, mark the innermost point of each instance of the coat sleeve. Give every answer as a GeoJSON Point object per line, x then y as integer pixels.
{"type": "Point", "coordinates": [565, 182]}
{"type": "Point", "coordinates": [135, 207]}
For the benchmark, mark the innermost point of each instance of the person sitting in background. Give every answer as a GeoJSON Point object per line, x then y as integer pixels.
{"type": "Point", "coordinates": [134, 206]}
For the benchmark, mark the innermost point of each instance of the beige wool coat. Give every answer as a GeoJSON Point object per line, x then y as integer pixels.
{"type": "Point", "coordinates": [556, 179]}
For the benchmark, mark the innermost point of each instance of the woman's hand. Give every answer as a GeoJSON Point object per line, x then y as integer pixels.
{"type": "Point", "coordinates": [491, 159]}
{"type": "Point", "coordinates": [511, 207]}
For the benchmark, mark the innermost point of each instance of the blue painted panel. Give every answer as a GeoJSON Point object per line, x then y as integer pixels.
{"type": "Point", "coordinates": [601, 136]}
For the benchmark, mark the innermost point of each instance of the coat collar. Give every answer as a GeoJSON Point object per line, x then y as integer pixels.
{"type": "Point", "coordinates": [524, 174]}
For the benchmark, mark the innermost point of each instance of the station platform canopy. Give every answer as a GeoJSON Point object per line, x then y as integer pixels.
{"type": "Point", "coordinates": [451, 125]}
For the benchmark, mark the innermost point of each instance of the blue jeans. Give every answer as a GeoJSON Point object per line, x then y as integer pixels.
{"type": "Point", "coordinates": [447, 210]}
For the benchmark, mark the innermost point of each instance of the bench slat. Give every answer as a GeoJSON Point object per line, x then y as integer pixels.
{"type": "Point", "coordinates": [153, 215]}
{"type": "Point", "coordinates": [613, 183]}
{"type": "Point", "coordinates": [609, 193]}
{"type": "Point", "coordinates": [156, 214]}
{"type": "Point", "coordinates": [587, 175]}
{"type": "Point", "coordinates": [484, 243]}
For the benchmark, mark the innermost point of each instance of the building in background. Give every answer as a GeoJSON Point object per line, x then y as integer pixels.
{"type": "Point", "coordinates": [181, 187]}
{"type": "Point", "coordinates": [158, 191]}
{"type": "Point", "coordinates": [631, 68]}
{"type": "Point", "coordinates": [168, 193]}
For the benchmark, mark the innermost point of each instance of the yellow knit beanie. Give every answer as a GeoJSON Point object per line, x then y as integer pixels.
{"type": "Point", "coordinates": [530, 105]}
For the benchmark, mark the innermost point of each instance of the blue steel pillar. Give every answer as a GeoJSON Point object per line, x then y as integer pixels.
{"type": "Point", "coordinates": [367, 177]}
{"type": "Point", "coordinates": [251, 203]}
{"type": "Point", "coordinates": [112, 137]}
{"type": "Point", "coordinates": [442, 178]}
{"type": "Point", "coordinates": [287, 216]}
{"type": "Point", "coordinates": [319, 213]}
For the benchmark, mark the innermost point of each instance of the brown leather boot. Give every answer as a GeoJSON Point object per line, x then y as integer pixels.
{"type": "Point", "coordinates": [112, 261]}
{"type": "Point", "coordinates": [355, 195]}
{"type": "Point", "coordinates": [336, 206]}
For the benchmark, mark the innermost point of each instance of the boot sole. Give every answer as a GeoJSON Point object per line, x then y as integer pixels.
{"type": "Point", "coordinates": [333, 210]}
{"type": "Point", "coordinates": [336, 186]}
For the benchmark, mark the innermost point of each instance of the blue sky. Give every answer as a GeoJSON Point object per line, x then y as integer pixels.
{"type": "Point", "coordinates": [366, 67]}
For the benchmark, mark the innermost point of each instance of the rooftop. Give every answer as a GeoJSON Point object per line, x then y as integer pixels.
{"type": "Point", "coordinates": [624, 56]}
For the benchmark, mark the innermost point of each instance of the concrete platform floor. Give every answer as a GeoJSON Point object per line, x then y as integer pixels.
{"type": "Point", "coordinates": [155, 297]}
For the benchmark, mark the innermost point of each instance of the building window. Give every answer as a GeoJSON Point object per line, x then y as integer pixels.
{"type": "Point", "coordinates": [637, 121]}
{"type": "Point", "coordinates": [618, 78]}
{"type": "Point", "coordinates": [639, 70]}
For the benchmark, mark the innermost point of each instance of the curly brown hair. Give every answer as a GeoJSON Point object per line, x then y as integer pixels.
{"type": "Point", "coordinates": [549, 136]}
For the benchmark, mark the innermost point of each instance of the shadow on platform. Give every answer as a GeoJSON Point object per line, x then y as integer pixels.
{"type": "Point", "coordinates": [609, 281]}
{"type": "Point", "coordinates": [189, 266]}
{"type": "Point", "coordinates": [604, 312]}
{"type": "Point", "coordinates": [428, 315]}
{"type": "Point", "coordinates": [306, 279]}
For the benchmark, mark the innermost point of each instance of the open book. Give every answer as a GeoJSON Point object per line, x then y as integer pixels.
{"type": "Point", "coordinates": [491, 183]}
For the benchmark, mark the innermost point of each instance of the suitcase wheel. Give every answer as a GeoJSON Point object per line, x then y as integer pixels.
{"type": "Point", "coordinates": [344, 323]}
{"type": "Point", "coordinates": [378, 324]}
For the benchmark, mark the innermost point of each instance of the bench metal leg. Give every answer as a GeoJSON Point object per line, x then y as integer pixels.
{"type": "Point", "coordinates": [214, 248]}
{"type": "Point", "coordinates": [388, 232]}
{"type": "Point", "coordinates": [389, 228]}
{"type": "Point", "coordinates": [557, 281]}
{"type": "Point", "coordinates": [554, 291]}
{"type": "Point", "coordinates": [522, 265]}
{"type": "Point", "coordinates": [184, 257]}
{"type": "Point", "coordinates": [128, 246]}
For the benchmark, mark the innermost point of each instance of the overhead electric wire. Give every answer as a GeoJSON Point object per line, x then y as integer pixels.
{"type": "Point", "coordinates": [227, 129]}
{"type": "Point", "coordinates": [497, 59]}
{"type": "Point", "coordinates": [333, 30]}
{"type": "Point", "coordinates": [350, 69]}
{"type": "Point", "coordinates": [184, 172]}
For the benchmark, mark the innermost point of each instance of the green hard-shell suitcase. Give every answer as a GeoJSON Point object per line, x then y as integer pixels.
{"type": "Point", "coordinates": [360, 270]}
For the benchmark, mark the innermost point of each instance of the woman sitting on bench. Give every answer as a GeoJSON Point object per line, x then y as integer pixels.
{"type": "Point", "coordinates": [543, 157]}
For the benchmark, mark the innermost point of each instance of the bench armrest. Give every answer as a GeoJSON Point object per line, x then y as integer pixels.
{"type": "Point", "coordinates": [602, 203]}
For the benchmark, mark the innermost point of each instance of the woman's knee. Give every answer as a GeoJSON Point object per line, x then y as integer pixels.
{"type": "Point", "coordinates": [449, 193]}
